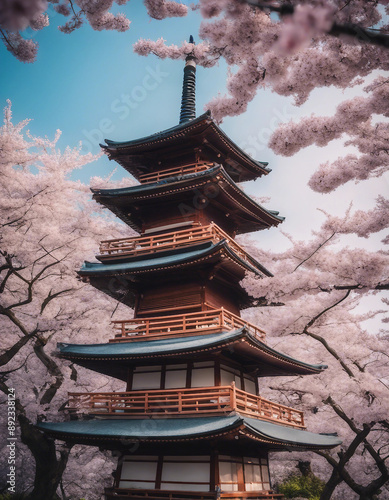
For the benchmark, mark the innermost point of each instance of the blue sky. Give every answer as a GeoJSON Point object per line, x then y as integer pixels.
{"type": "Point", "coordinates": [79, 82]}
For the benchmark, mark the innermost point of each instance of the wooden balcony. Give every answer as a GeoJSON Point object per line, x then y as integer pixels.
{"type": "Point", "coordinates": [198, 323]}
{"type": "Point", "coordinates": [191, 168]}
{"type": "Point", "coordinates": [199, 402]}
{"type": "Point", "coordinates": [143, 245]}
{"type": "Point", "coordinates": [140, 494]}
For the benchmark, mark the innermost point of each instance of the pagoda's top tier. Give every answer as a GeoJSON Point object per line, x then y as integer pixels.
{"type": "Point", "coordinates": [192, 142]}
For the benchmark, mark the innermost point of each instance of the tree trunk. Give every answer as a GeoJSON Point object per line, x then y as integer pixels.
{"type": "Point", "coordinates": [49, 468]}
{"type": "Point", "coordinates": [330, 486]}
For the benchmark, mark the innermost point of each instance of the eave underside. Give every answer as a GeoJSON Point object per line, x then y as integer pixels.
{"type": "Point", "coordinates": [115, 434]}
{"type": "Point", "coordinates": [113, 359]}
{"type": "Point", "coordinates": [137, 204]}
{"type": "Point", "coordinates": [210, 261]}
{"type": "Point", "coordinates": [171, 146]}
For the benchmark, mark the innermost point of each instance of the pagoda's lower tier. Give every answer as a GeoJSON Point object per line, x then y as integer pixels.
{"type": "Point", "coordinates": [192, 477]}
{"type": "Point", "coordinates": [140, 494]}
{"type": "Point", "coordinates": [190, 458]}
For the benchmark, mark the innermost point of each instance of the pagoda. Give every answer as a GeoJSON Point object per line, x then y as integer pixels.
{"type": "Point", "coordinates": [190, 423]}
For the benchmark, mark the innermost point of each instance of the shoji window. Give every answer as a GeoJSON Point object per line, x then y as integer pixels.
{"type": "Point", "coordinates": [138, 472]}
{"type": "Point", "coordinates": [175, 376]}
{"type": "Point", "coordinates": [228, 375]}
{"type": "Point", "coordinates": [186, 473]}
{"type": "Point", "coordinates": [249, 385]}
{"type": "Point", "coordinates": [265, 474]}
{"type": "Point", "coordinates": [228, 471]}
{"type": "Point", "coordinates": [256, 474]}
{"type": "Point", "coordinates": [203, 374]}
{"type": "Point", "coordinates": [252, 474]}
{"type": "Point", "coordinates": [254, 471]}
{"type": "Point", "coordinates": [146, 377]}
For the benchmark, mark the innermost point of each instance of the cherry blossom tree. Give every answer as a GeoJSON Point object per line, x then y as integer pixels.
{"type": "Point", "coordinates": [319, 286]}
{"type": "Point", "coordinates": [48, 225]}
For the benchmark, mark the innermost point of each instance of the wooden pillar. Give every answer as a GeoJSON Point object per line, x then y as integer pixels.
{"type": "Point", "coordinates": [159, 473]}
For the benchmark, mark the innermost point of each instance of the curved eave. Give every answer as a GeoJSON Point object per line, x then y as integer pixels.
{"type": "Point", "coordinates": [144, 143]}
{"type": "Point", "coordinates": [237, 344]}
{"type": "Point", "coordinates": [183, 258]}
{"type": "Point", "coordinates": [202, 126]}
{"type": "Point", "coordinates": [186, 430]}
{"type": "Point", "coordinates": [116, 199]}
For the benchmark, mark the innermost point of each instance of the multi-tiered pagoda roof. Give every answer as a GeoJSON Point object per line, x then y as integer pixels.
{"type": "Point", "coordinates": [191, 410]}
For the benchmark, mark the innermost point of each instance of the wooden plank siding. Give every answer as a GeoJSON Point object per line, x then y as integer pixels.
{"type": "Point", "coordinates": [204, 322]}
{"type": "Point", "coordinates": [184, 402]}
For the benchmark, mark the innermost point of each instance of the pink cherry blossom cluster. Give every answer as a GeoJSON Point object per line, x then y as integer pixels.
{"type": "Point", "coordinates": [161, 9]}
{"type": "Point", "coordinates": [22, 49]}
{"type": "Point", "coordinates": [248, 38]}
{"type": "Point", "coordinates": [306, 23]}
{"type": "Point", "coordinates": [158, 47]}
{"type": "Point", "coordinates": [18, 15]}
{"type": "Point", "coordinates": [352, 119]}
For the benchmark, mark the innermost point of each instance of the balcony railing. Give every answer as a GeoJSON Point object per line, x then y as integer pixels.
{"type": "Point", "coordinates": [204, 322]}
{"type": "Point", "coordinates": [171, 172]}
{"type": "Point", "coordinates": [162, 403]}
{"type": "Point", "coordinates": [141, 494]}
{"type": "Point", "coordinates": [142, 245]}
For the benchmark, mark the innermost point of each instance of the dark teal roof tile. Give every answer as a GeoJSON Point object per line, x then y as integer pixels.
{"type": "Point", "coordinates": [169, 346]}
{"type": "Point", "coordinates": [143, 428]}
{"type": "Point", "coordinates": [125, 349]}
{"type": "Point", "coordinates": [291, 435]}
{"type": "Point", "coordinates": [157, 260]}
{"type": "Point", "coordinates": [165, 429]}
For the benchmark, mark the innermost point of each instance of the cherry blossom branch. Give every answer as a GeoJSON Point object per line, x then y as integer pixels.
{"type": "Point", "coordinates": [323, 341]}
{"type": "Point", "coordinates": [52, 368]}
{"type": "Point", "coordinates": [12, 351]}
{"type": "Point", "coordinates": [14, 319]}
{"type": "Point", "coordinates": [313, 320]}
{"type": "Point", "coordinates": [52, 296]}
{"type": "Point", "coordinates": [6, 373]}
{"type": "Point", "coordinates": [380, 461]}
{"type": "Point", "coordinates": [354, 30]}
{"type": "Point", "coordinates": [313, 253]}
{"type": "Point", "coordinates": [3, 35]}
{"type": "Point", "coordinates": [339, 473]}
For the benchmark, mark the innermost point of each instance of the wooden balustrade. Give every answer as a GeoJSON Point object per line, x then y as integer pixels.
{"type": "Point", "coordinates": [203, 322]}
{"type": "Point", "coordinates": [141, 494]}
{"type": "Point", "coordinates": [142, 245]}
{"type": "Point", "coordinates": [162, 403]}
{"type": "Point", "coordinates": [190, 168]}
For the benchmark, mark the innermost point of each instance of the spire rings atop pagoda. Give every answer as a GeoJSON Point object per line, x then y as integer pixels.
{"type": "Point", "coordinates": [188, 100]}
